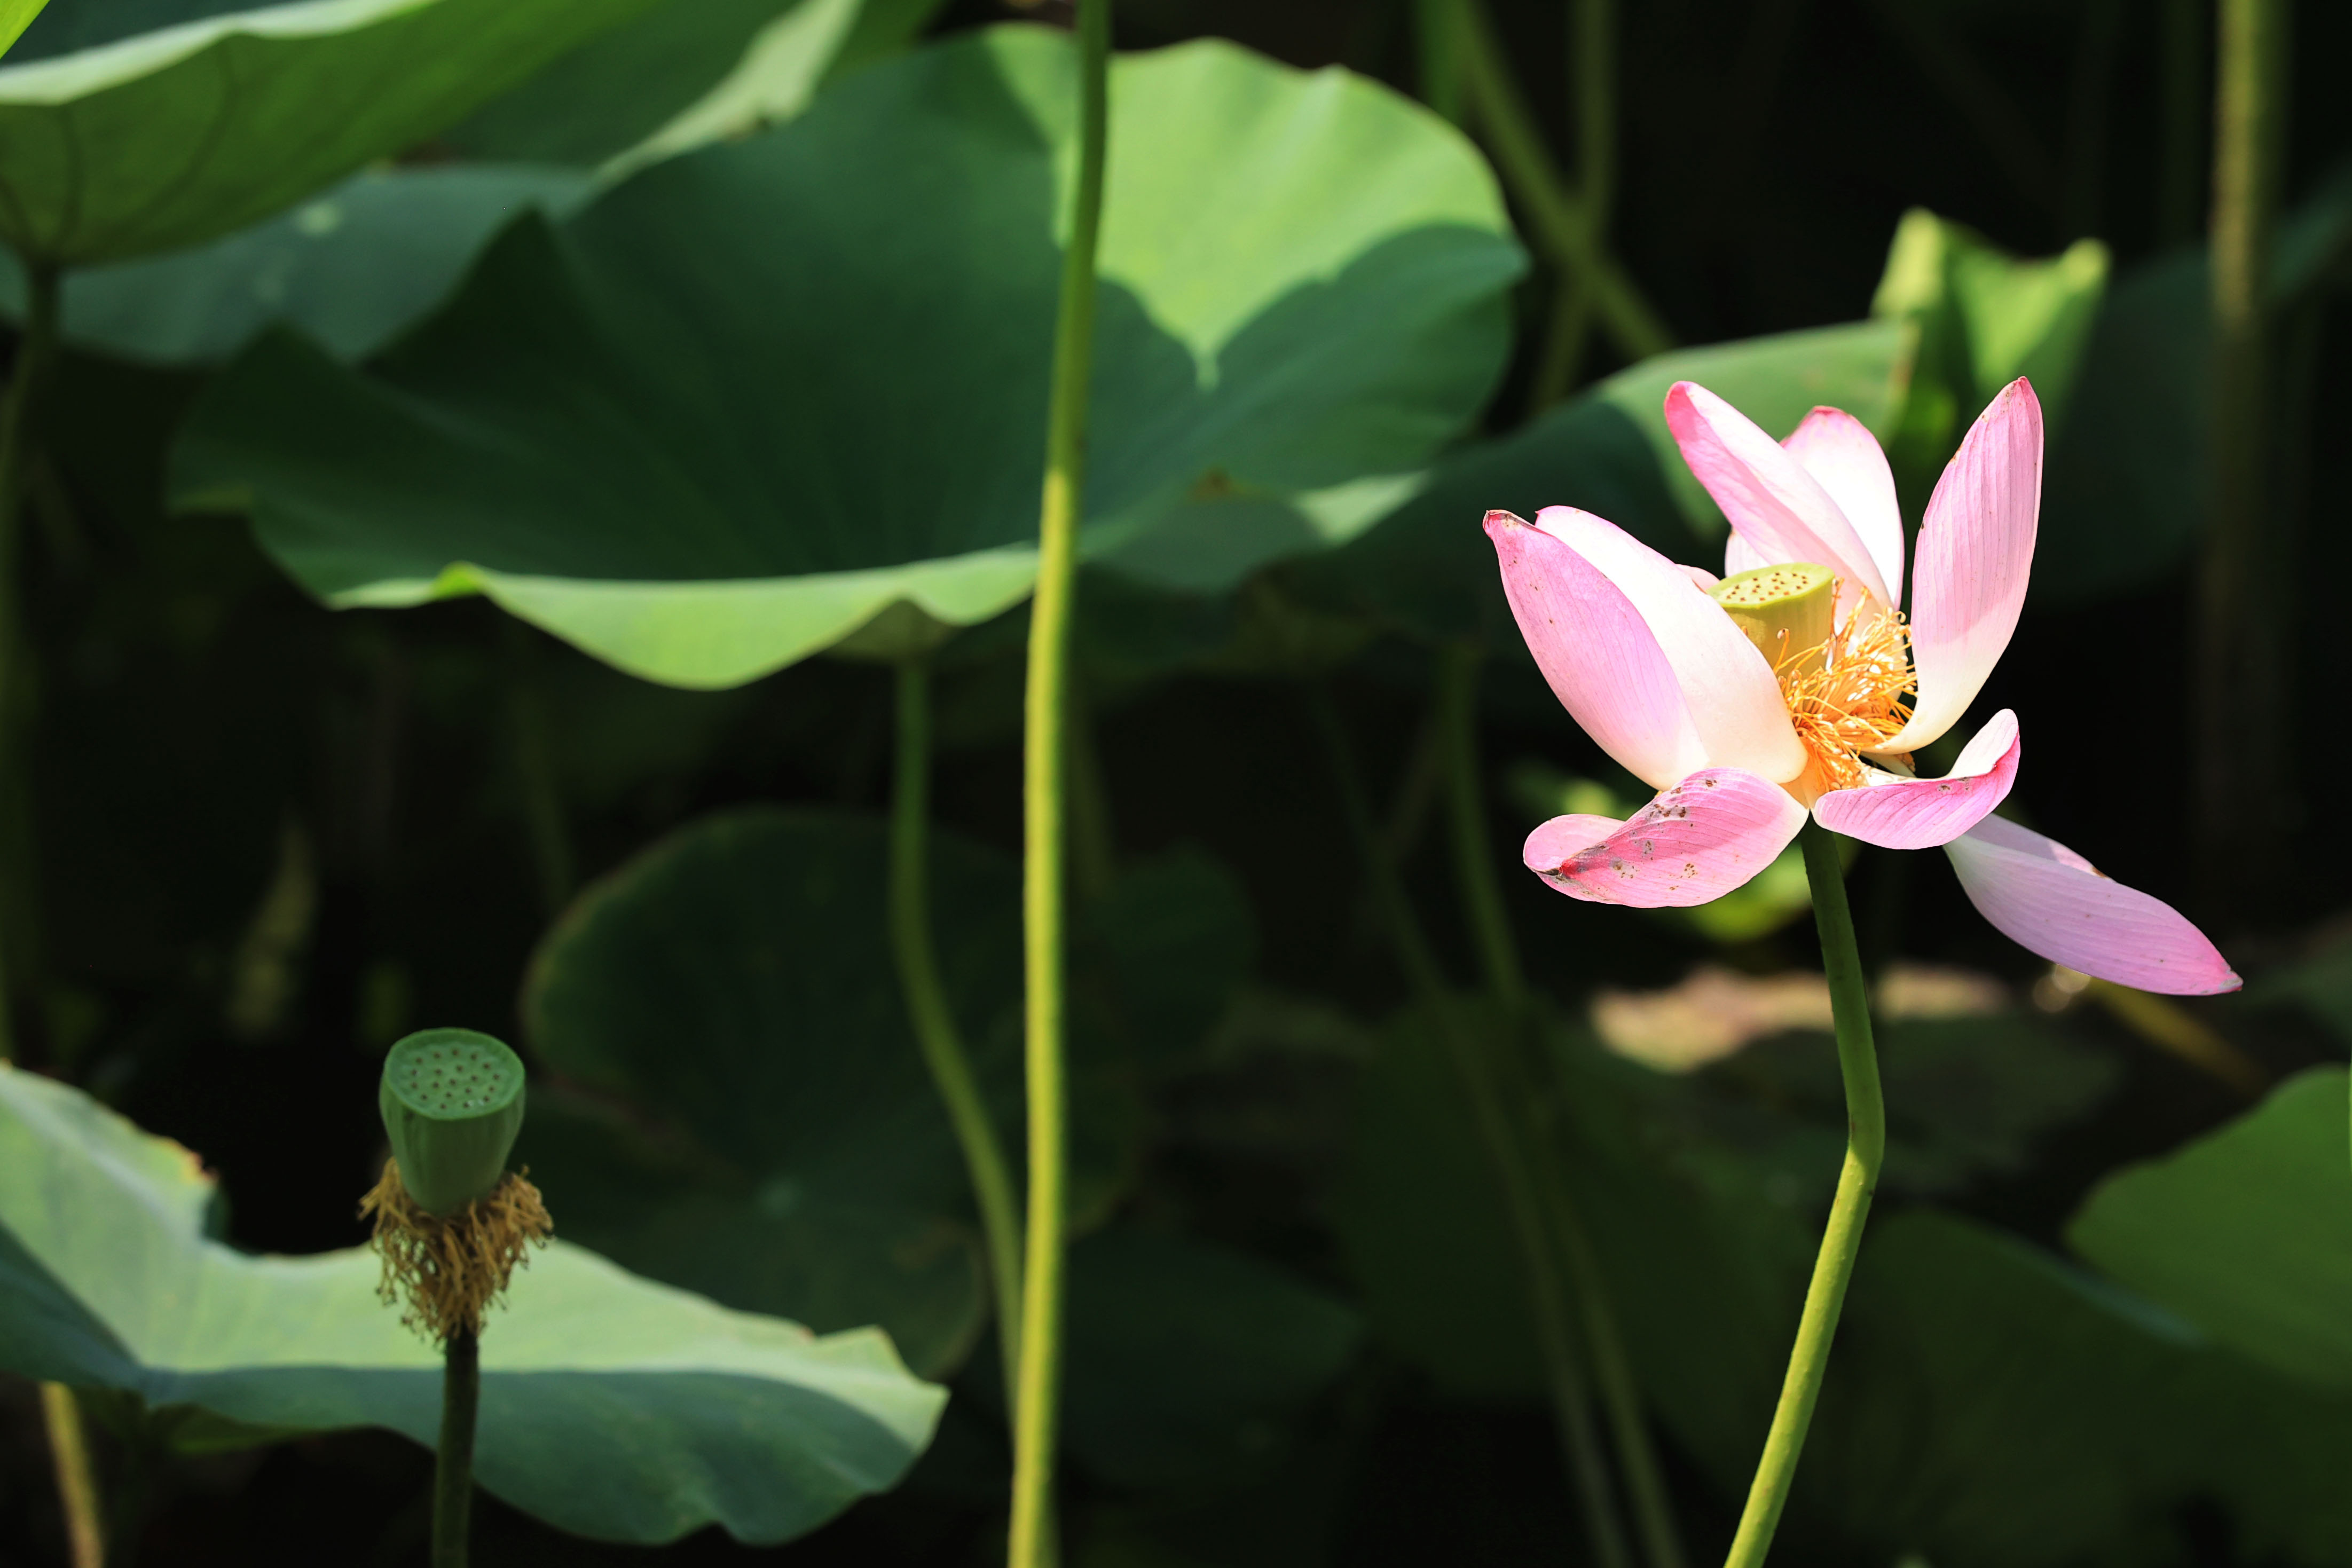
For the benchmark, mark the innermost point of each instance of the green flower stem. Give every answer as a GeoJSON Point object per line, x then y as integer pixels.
{"type": "Point", "coordinates": [453, 1461]}
{"type": "Point", "coordinates": [1547, 1301]}
{"type": "Point", "coordinates": [1566, 227]}
{"type": "Point", "coordinates": [1592, 67]}
{"type": "Point", "coordinates": [1866, 1151]}
{"type": "Point", "coordinates": [1473, 858]}
{"type": "Point", "coordinates": [37, 352]}
{"type": "Point", "coordinates": [1437, 38]}
{"type": "Point", "coordinates": [1044, 766]}
{"type": "Point", "coordinates": [77, 1477]}
{"type": "Point", "coordinates": [934, 1020]}
{"type": "Point", "coordinates": [2238, 645]}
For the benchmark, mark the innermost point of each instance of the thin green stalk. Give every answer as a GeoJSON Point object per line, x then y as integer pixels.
{"type": "Point", "coordinates": [37, 352]}
{"type": "Point", "coordinates": [77, 1477]}
{"type": "Point", "coordinates": [1547, 1302]}
{"type": "Point", "coordinates": [1566, 227]}
{"type": "Point", "coordinates": [453, 1461]}
{"type": "Point", "coordinates": [1865, 1150]}
{"type": "Point", "coordinates": [1438, 41]}
{"type": "Point", "coordinates": [1593, 68]}
{"type": "Point", "coordinates": [1473, 860]}
{"type": "Point", "coordinates": [2239, 721]}
{"type": "Point", "coordinates": [1045, 763]}
{"type": "Point", "coordinates": [934, 1020]}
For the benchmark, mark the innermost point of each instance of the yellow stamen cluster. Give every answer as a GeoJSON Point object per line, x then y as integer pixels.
{"type": "Point", "coordinates": [448, 1269]}
{"type": "Point", "coordinates": [1850, 694]}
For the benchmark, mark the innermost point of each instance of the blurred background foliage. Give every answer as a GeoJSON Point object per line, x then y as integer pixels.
{"type": "Point", "coordinates": [501, 348]}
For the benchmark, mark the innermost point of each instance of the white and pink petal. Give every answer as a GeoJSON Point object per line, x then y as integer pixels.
{"type": "Point", "coordinates": [1847, 460]}
{"type": "Point", "coordinates": [1701, 838]}
{"type": "Point", "coordinates": [1975, 553]}
{"type": "Point", "coordinates": [2049, 900]}
{"type": "Point", "coordinates": [1899, 813]}
{"type": "Point", "coordinates": [1782, 511]}
{"type": "Point", "coordinates": [1597, 653]}
{"type": "Point", "coordinates": [1727, 685]}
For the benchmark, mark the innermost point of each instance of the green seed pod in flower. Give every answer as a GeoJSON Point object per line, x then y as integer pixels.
{"type": "Point", "coordinates": [452, 1101]}
{"type": "Point", "coordinates": [1786, 611]}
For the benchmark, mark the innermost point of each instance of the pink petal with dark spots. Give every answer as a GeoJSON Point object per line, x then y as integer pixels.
{"type": "Point", "coordinates": [1697, 841]}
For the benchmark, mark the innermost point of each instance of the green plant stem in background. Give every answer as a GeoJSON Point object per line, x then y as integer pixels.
{"type": "Point", "coordinates": [1474, 859]}
{"type": "Point", "coordinates": [1438, 39]}
{"type": "Point", "coordinates": [1045, 754]}
{"type": "Point", "coordinates": [2240, 762]}
{"type": "Point", "coordinates": [1593, 71]}
{"type": "Point", "coordinates": [77, 1477]}
{"type": "Point", "coordinates": [1866, 1151]}
{"type": "Point", "coordinates": [36, 350]}
{"type": "Point", "coordinates": [933, 1018]}
{"type": "Point", "coordinates": [1566, 227]}
{"type": "Point", "coordinates": [1514, 1172]}
{"type": "Point", "coordinates": [453, 1461]}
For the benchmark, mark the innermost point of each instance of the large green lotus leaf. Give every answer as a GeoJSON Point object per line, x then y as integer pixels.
{"type": "Point", "coordinates": [610, 1406]}
{"type": "Point", "coordinates": [1427, 569]}
{"type": "Point", "coordinates": [351, 267]}
{"type": "Point", "coordinates": [1984, 317]}
{"type": "Point", "coordinates": [1988, 1406]}
{"type": "Point", "coordinates": [163, 139]}
{"type": "Point", "coordinates": [752, 1117]}
{"type": "Point", "coordinates": [2246, 1232]}
{"type": "Point", "coordinates": [16, 16]}
{"type": "Point", "coordinates": [686, 73]}
{"type": "Point", "coordinates": [762, 392]}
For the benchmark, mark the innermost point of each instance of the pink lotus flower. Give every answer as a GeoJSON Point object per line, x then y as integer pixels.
{"type": "Point", "coordinates": [1740, 746]}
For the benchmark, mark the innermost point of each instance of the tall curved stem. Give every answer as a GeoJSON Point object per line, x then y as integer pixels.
{"type": "Point", "coordinates": [928, 1010]}
{"type": "Point", "coordinates": [1866, 1151]}
{"type": "Point", "coordinates": [1044, 770]}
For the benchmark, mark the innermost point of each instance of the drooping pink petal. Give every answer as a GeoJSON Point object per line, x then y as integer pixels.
{"type": "Point", "coordinates": [1699, 575]}
{"type": "Point", "coordinates": [2049, 900]}
{"type": "Point", "coordinates": [1975, 549]}
{"type": "Point", "coordinates": [1742, 717]}
{"type": "Point", "coordinates": [1592, 645]}
{"type": "Point", "coordinates": [1897, 813]}
{"type": "Point", "coordinates": [1767, 492]}
{"type": "Point", "coordinates": [1697, 841]}
{"type": "Point", "coordinates": [1845, 460]}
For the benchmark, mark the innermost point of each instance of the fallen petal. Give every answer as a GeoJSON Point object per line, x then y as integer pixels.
{"type": "Point", "coordinates": [2049, 900]}
{"type": "Point", "coordinates": [1697, 841]}
{"type": "Point", "coordinates": [1920, 813]}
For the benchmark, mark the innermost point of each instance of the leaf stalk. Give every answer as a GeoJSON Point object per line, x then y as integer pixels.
{"type": "Point", "coordinates": [1045, 781]}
